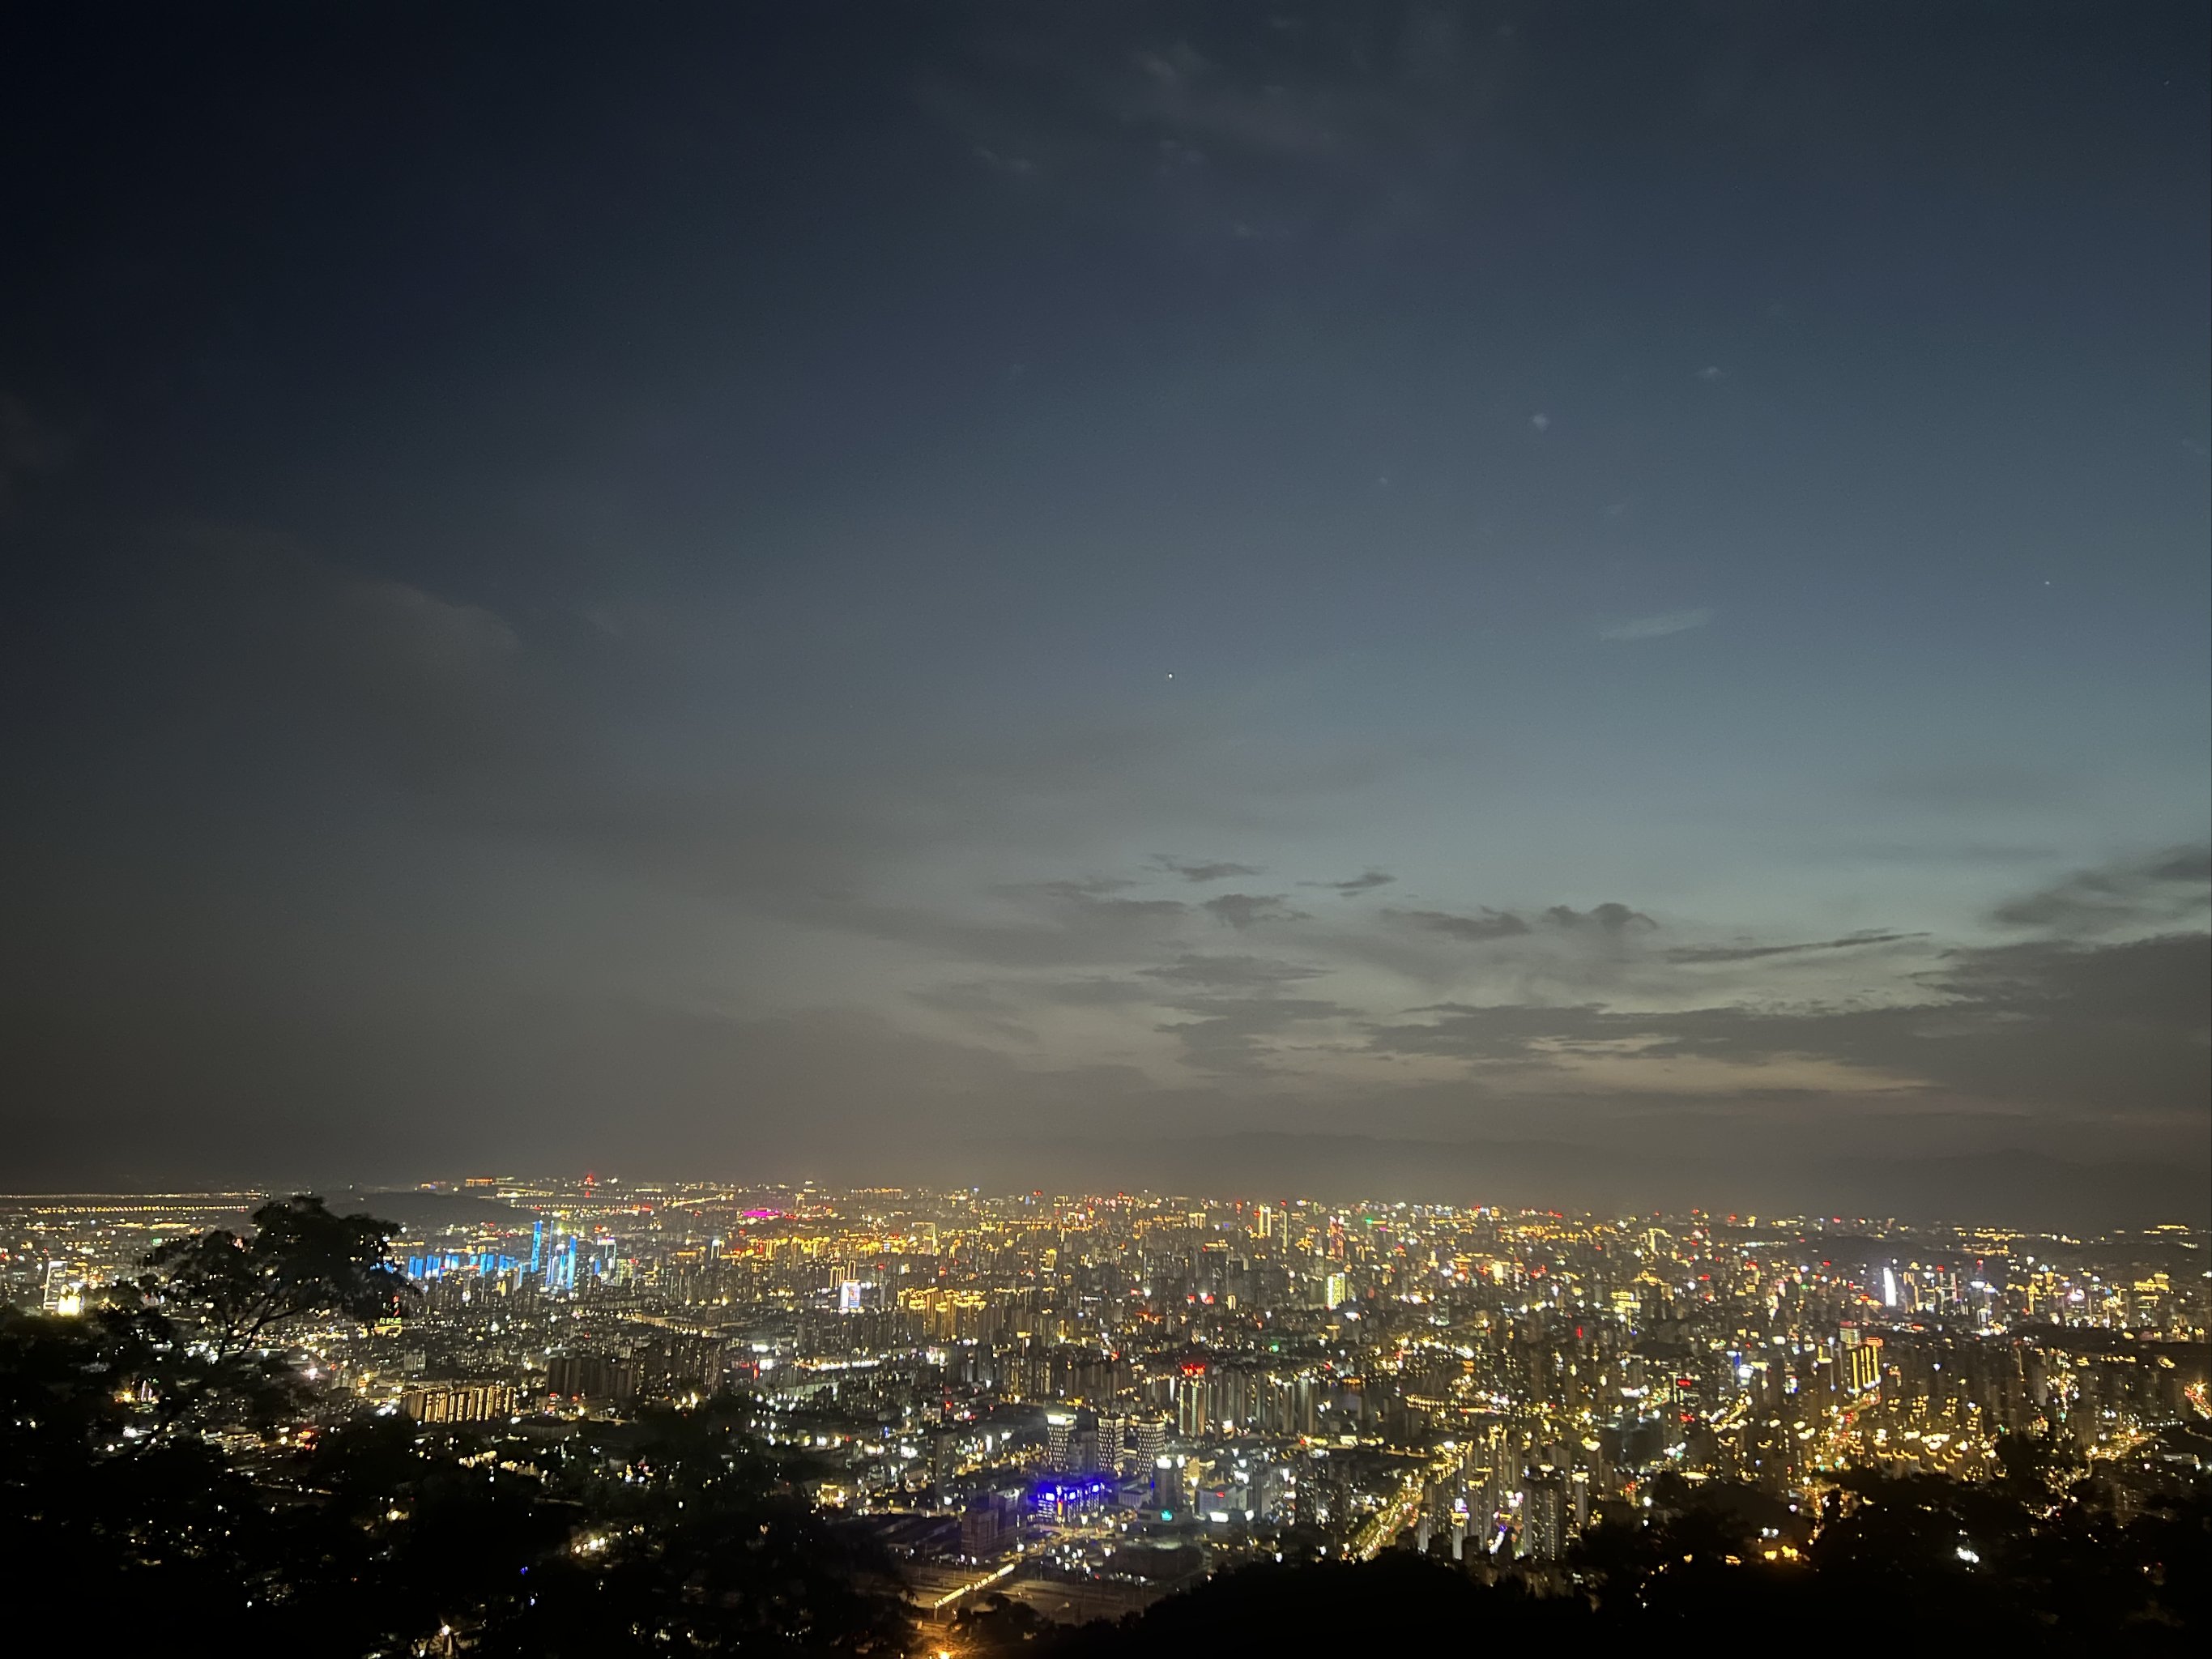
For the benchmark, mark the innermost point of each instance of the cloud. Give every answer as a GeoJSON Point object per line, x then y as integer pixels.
{"type": "Point", "coordinates": [1505, 1031]}
{"type": "Point", "coordinates": [1607, 918]}
{"type": "Point", "coordinates": [1658, 627]}
{"type": "Point", "coordinates": [527, 826]}
{"type": "Point", "coordinates": [2061, 1033]}
{"type": "Point", "coordinates": [1701, 953]}
{"type": "Point", "coordinates": [1242, 910]}
{"type": "Point", "coordinates": [971, 997]}
{"type": "Point", "coordinates": [2162, 889]}
{"type": "Point", "coordinates": [1208, 871]}
{"type": "Point", "coordinates": [383, 679]}
{"type": "Point", "coordinates": [1364, 882]}
{"type": "Point", "coordinates": [1077, 890]}
{"type": "Point", "coordinates": [977, 1005]}
{"type": "Point", "coordinates": [1059, 923]}
{"type": "Point", "coordinates": [1486, 925]}
{"type": "Point", "coordinates": [1249, 136]}
{"type": "Point", "coordinates": [1228, 1036]}
{"type": "Point", "coordinates": [1231, 972]}
{"type": "Point", "coordinates": [1099, 991]}
{"type": "Point", "coordinates": [440, 726]}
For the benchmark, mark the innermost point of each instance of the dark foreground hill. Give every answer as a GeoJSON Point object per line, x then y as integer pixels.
{"type": "Point", "coordinates": [1919, 1560]}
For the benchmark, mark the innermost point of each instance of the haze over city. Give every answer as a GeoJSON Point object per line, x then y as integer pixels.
{"type": "Point", "coordinates": [1521, 605]}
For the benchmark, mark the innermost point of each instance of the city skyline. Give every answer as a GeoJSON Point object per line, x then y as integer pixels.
{"type": "Point", "coordinates": [1088, 1402]}
{"type": "Point", "coordinates": [551, 1415]}
{"type": "Point", "coordinates": [1517, 604]}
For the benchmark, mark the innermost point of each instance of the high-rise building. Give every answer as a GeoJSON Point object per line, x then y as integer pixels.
{"type": "Point", "coordinates": [1860, 1360]}
{"type": "Point", "coordinates": [991, 1525]}
{"type": "Point", "coordinates": [1191, 1394]}
{"type": "Point", "coordinates": [458, 1402]}
{"type": "Point", "coordinates": [1545, 1508]}
{"type": "Point", "coordinates": [1083, 1450]}
{"type": "Point", "coordinates": [1072, 1442]}
{"type": "Point", "coordinates": [1147, 1440]}
{"type": "Point", "coordinates": [63, 1291]}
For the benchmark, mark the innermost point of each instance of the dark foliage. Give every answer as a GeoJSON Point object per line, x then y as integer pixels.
{"type": "Point", "coordinates": [1921, 1559]}
{"type": "Point", "coordinates": [300, 1260]}
{"type": "Point", "coordinates": [192, 1339]}
{"type": "Point", "coordinates": [1400, 1603]}
{"type": "Point", "coordinates": [377, 1536]}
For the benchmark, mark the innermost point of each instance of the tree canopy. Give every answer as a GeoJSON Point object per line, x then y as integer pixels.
{"type": "Point", "coordinates": [379, 1535]}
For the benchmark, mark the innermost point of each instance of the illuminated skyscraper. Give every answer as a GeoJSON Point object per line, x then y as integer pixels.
{"type": "Point", "coordinates": [1858, 1359]}
{"type": "Point", "coordinates": [1059, 1434]}
{"type": "Point", "coordinates": [1147, 1441]}
{"type": "Point", "coordinates": [1545, 1506]}
{"type": "Point", "coordinates": [1866, 1366]}
{"type": "Point", "coordinates": [1191, 1395]}
{"type": "Point", "coordinates": [63, 1292]}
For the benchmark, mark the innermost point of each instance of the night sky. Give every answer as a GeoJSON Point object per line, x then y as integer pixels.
{"type": "Point", "coordinates": [1588, 605]}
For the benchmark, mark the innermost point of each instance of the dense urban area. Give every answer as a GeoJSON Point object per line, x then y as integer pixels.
{"type": "Point", "coordinates": [1036, 1411]}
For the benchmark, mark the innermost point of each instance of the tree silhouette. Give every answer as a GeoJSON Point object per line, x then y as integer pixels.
{"type": "Point", "coordinates": [231, 1292]}
{"type": "Point", "coordinates": [190, 1338]}
{"type": "Point", "coordinates": [382, 1535]}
